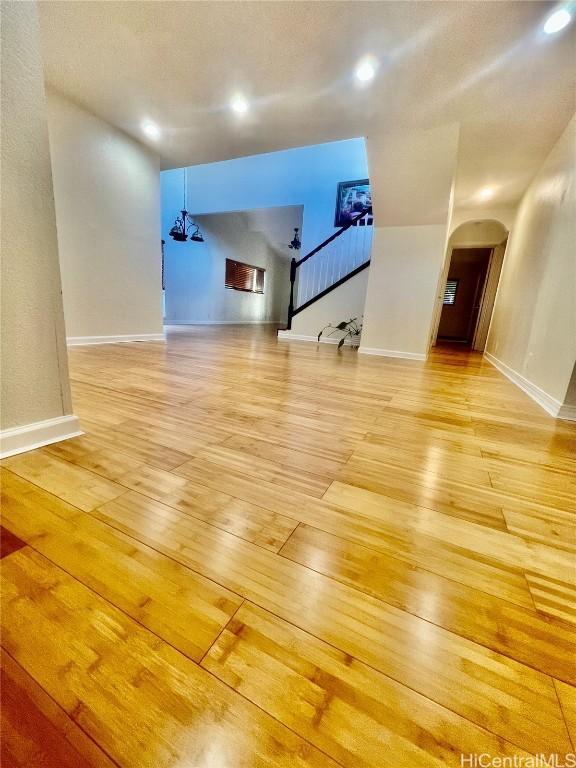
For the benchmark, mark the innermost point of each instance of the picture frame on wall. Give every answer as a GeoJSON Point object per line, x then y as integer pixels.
{"type": "Point", "coordinates": [352, 197]}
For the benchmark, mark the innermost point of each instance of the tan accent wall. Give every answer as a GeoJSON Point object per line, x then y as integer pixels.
{"type": "Point", "coordinates": [35, 383]}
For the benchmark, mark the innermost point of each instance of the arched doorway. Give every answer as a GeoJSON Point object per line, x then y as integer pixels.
{"type": "Point", "coordinates": [474, 259]}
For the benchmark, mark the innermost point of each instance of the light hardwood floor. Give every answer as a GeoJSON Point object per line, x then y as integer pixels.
{"type": "Point", "coordinates": [273, 554]}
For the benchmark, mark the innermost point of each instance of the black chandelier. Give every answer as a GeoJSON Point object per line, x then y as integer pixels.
{"type": "Point", "coordinates": [184, 223]}
{"type": "Point", "coordinates": [295, 242]}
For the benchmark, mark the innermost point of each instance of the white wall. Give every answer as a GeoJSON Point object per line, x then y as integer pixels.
{"type": "Point", "coordinates": [35, 385]}
{"type": "Point", "coordinates": [533, 331]}
{"type": "Point", "coordinates": [412, 172]}
{"type": "Point", "coordinates": [107, 192]}
{"type": "Point", "coordinates": [402, 289]}
{"type": "Point", "coordinates": [412, 176]}
{"type": "Point", "coordinates": [194, 275]}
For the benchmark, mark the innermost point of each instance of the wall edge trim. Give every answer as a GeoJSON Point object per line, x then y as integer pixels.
{"type": "Point", "coordinates": [552, 406]}
{"type": "Point", "coordinates": [30, 436]}
{"type": "Point", "coordinates": [78, 341]}
{"type": "Point", "coordinates": [289, 336]}
{"type": "Point", "coordinates": [376, 351]}
{"type": "Point", "coordinates": [224, 322]}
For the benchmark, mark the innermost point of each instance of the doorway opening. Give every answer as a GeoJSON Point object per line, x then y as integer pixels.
{"type": "Point", "coordinates": [462, 295]}
{"type": "Point", "coordinates": [474, 262]}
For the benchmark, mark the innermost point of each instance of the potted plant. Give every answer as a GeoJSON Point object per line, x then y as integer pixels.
{"type": "Point", "coordinates": [350, 329]}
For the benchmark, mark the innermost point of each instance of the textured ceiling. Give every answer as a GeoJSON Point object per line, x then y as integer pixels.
{"type": "Point", "coordinates": [486, 65]}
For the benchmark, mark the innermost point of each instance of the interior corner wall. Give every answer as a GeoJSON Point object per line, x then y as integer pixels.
{"type": "Point", "coordinates": [35, 384]}
{"type": "Point", "coordinates": [570, 398]}
{"type": "Point", "coordinates": [194, 275]}
{"type": "Point", "coordinates": [107, 193]}
{"type": "Point", "coordinates": [412, 177]}
{"type": "Point", "coordinates": [401, 295]}
{"type": "Point", "coordinates": [533, 330]}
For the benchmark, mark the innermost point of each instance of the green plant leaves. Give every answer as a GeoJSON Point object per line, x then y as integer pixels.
{"type": "Point", "coordinates": [352, 328]}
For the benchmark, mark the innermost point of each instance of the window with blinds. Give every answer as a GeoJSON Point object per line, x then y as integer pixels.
{"type": "Point", "coordinates": [450, 292]}
{"type": "Point", "coordinates": [244, 277]}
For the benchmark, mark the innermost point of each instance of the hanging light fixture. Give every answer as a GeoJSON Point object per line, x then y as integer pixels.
{"type": "Point", "coordinates": [184, 223]}
{"type": "Point", "coordinates": [295, 242]}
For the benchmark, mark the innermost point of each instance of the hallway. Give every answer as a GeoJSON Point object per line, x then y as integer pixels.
{"type": "Point", "coordinates": [266, 553]}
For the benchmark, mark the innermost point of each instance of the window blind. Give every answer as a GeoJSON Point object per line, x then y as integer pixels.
{"type": "Point", "coordinates": [244, 277]}
{"type": "Point", "coordinates": [450, 291]}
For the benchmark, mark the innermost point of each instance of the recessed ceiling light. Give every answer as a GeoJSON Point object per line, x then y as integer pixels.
{"type": "Point", "coordinates": [239, 105]}
{"type": "Point", "coordinates": [365, 71]}
{"type": "Point", "coordinates": [557, 21]}
{"type": "Point", "coordinates": [151, 130]}
{"type": "Point", "coordinates": [486, 193]}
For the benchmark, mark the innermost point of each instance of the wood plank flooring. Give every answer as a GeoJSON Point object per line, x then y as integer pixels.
{"type": "Point", "coordinates": [272, 554]}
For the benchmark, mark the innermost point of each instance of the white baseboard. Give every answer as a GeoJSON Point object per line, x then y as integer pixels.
{"type": "Point", "coordinates": [547, 402]}
{"type": "Point", "coordinates": [392, 353]}
{"type": "Point", "coordinates": [26, 438]}
{"type": "Point", "coordinates": [224, 322]}
{"type": "Point", "coordinates": [290, 336]}
{"type": "Point", "coordinates": [79, 341]}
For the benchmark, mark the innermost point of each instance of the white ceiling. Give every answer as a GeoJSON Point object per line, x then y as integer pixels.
{"type": "Point", "coordinates": [484, 64]}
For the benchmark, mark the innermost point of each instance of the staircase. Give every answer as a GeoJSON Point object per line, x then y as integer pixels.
{"type": "Point", "coordinates": [330, 264]}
